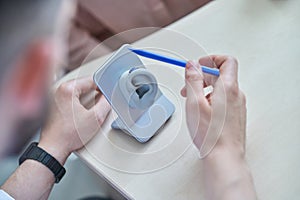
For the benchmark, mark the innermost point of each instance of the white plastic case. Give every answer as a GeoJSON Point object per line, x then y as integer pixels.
{"type": "Point", "coordinates": [134, 94]}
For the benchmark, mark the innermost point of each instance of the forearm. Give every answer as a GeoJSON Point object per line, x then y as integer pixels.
{"type": "Point", "coordinates": [33, 180]}
{"type": "Point", "coordinates": [227, 176]}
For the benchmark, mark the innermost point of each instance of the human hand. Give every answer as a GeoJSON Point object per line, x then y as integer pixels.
{"type": "Point", "coordinates": [71, 125]}
{"type": "Point", "coordinates": [217, 125]}
{"type": "Point", "coordinates": [218, 120]}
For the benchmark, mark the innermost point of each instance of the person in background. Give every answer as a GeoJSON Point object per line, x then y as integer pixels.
{"type": "Point", "coordinates": [96, 21]}
{"type": "Point", "coordinates": [32, 35]}
{"type": "Point", "coordinates": [32, 41]}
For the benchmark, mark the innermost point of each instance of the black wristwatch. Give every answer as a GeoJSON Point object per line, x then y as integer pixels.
{"type": "Point", "coordinates": [36, 153]}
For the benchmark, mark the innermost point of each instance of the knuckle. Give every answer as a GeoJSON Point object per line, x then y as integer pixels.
{"type": "Point", "coordinates": [232, 87]}
{"type": "Point", "coordinates": [195, 76]}
{"type": "Point", "coordinates": [62, 87]}
{"type": "Point", "coordinates": [202, 102]}
{"type": "Point", "coordinates": [100, 118]}
{"type": "Point", "coordinates": [233, 60]}
{"type": "Point", "coordinates": [65, 88]}
{"type": "Point", "coordinates": [243, 98]}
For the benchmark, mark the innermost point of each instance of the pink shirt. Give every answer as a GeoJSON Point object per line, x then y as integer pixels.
{"type": "Point", "coordinates": [97, 20]}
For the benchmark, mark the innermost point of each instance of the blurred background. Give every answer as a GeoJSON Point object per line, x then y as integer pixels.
{"type": "Point", "coordinates": [92, 23]}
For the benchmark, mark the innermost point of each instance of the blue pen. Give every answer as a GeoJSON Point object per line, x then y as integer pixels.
{"type": "Point", "coordinates": [172, 61]}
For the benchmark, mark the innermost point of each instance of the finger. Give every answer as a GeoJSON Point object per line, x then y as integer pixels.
{"type": "Point", "coordinates": [194, 82]}
{"type": "Point", "coordinates": [183, 91]}
{"type": "Point", "coordinates": [226, 64]}
{"type": "Point", "coordinates": [229, 70]}
{"type": "Point", "coordinates": [207, 61]}
{"type": "Point", "coordinates": [208, 78]}
{"type": "Point", "coordinates": [83, 85]}
{"type": "Point", "coordinates": [213, 61]}
{"type": "Point", "coordinates": [101, 109]}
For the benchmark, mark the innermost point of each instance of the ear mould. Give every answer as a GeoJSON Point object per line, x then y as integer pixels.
{"type": "Point", "coordinates": [139, 87]}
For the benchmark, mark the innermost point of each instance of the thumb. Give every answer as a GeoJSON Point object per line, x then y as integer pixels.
{"type": "Point", "coordinates": [101, 109]}
{"type": "Point", "coordinates": [194, 82]}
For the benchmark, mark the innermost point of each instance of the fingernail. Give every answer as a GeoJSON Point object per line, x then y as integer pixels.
{"type": "Point", "coordinates": [189, 65]}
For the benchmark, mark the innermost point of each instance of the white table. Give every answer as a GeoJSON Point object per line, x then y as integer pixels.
{"type": "Point", "coordinates": [265, 37]}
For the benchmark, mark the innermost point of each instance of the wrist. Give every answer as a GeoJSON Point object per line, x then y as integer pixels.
{"type": "Point", "coordinates": [55, 150]}
{"type": "Point", "coordinates": [225, 152]}
{"type": "Point", "coordinates": [223, 159]}
{"type": "Point", "coordinates": [227, 164]}
{"type": "Point", "coordinates": [226, 174]}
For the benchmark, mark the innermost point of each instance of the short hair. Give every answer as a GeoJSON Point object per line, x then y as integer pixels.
{"type": "Point", "coordinates": [21, 22]}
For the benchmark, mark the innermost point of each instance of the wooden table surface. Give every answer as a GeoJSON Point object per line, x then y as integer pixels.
{"type": "Point", "coordinates": [265, 37]}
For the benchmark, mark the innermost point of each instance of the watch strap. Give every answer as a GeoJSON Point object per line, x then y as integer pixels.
{"type": "Point", "coordinates": [34, 152]}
